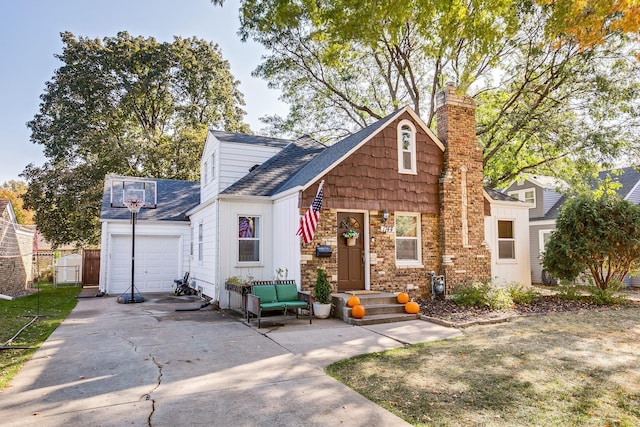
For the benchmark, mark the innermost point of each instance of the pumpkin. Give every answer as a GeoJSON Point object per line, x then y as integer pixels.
{"type": "Point", "coordinates": [403, 298]}
{"type": "Point", "coordinates": [353, 301]}
{"type": "Point", "coordinates": [412, 307]}
{"type": "Point", "coordinates": [357, 312]}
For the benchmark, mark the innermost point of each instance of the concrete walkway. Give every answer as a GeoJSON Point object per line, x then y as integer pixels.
{"type": "Point", "coordinates": [146, 364]}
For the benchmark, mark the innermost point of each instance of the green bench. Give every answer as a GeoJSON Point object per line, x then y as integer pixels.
{"type": "Point", "coordinates": [276, 296]}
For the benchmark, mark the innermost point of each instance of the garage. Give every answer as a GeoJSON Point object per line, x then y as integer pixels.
{"type": "Point", "coordinates": [157, 263]}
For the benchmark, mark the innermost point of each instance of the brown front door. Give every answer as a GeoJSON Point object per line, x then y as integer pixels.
{"type": "Point", "coordinates": [350, 258]}
{"type": "Point", "coordinates": [90, 266]}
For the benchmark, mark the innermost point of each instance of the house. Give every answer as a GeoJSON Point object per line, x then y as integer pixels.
{"type": "Point", "coordinates": [547, 195]}
{"type": "Point", "coordinates": [415, 199]}
{"type": "Point", "coordinates": [16, 253]}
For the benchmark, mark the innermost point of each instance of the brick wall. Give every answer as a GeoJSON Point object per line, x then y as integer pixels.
{"type": "Point", "coordinates": [15, 259]}
{"type": "Point", "coordinates": [465, 256]}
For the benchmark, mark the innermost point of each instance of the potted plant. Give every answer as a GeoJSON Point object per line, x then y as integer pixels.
{"type": "Point", "coordinates": [351, 235]}
{"type": "Point", "coordinates": [322, 303]}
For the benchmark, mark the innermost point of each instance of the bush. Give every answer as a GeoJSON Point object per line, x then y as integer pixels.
{"type": "Point", "coordinates": [521, 294]}
{"type": "Point", "coordinates": [499, 298]}
{"type": "Point", "coordinates": [471, 295]}
{"type": "Point", "coordinates": [607, 296]}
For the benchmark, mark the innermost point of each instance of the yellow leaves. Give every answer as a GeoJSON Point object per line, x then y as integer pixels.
{"type": "Point", "coordinates": [589, 22]}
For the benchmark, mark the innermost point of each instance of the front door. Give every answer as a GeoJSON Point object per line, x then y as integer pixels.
{"type": "Point", "coordinates": [350, 258]}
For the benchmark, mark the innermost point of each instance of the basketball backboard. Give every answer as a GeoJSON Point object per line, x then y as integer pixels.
{"type": "Point", "coordinates": [147, 190]}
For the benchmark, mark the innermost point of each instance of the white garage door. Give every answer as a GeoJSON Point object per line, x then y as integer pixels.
{"type": "Point", "coordinates": [156, 263]}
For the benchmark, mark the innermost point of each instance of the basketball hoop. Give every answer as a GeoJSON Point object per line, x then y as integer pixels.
{"type": "Point", "coordinates": [134, 205]}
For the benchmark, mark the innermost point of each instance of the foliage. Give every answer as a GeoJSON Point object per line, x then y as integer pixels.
{"type": "Point", "coordinates": [323, 287]}
{"type": "Point", "coordinates": [521, 294]}
{"type": "Point", "coordinates": [126, 105]}
{"type": "Point", "coordinates": [350, 234]}
{"type": "Point", "coordinates": [569, 292]}
{"type": "Point", "coordinates": [56, 303]}
{"type": "Point", "coordinates": [597, 235]}
{"type": "Point", "coordinates": [471, 295]}
{"type": "Point", "coordinates": [549, 99]}
{"type": "Point", "coordinates": [14, 190]}
{"type": "Point", "coordinates": [607, 296]}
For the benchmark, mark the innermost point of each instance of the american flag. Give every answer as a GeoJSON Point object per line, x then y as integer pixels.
{"type": "Point", "coordinates": [309, 221]}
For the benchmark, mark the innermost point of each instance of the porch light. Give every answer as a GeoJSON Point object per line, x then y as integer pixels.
{"type": "Point", "coordinates": [385, 216]}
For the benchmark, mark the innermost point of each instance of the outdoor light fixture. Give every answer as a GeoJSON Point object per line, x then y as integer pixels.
{"type": "Point", "coordinates": [385, 216]}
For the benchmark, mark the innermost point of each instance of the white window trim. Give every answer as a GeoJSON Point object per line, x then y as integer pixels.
{"type": "Point", "coordinates": [205, 168]}
{"type": "Point", "coordinates": [401, 168]}
{"type": "Point", "coordinates": [513, 260]}
{"type": "Point", "coordinates": [541, 234]}
{"type": "Point", "coordinates": [520, 195]}
{"type": "Point", "coordinates": [259, 239]}
{"type": "Point", "coordinates": [213, 166]}
{"type": "Point", "coordinates": [409, 263]}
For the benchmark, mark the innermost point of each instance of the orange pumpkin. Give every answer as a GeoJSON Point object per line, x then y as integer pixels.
{"type": "Point", "coordinates": [403, 298]}
{"type": "Point", "coordinates": [353, 301]}
{"type": "Point", "coordinates": [412, 307]}
{"type": "Point", "coordinates": [357, 312]}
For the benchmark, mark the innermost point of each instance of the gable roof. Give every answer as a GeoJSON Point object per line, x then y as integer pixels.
{"type": "Point", "coordinates": [628, 177]}
{"type": "Point", "coordinates": [266, 179]}
{"type": "Point", "coordinates": [335, 153]}
{"type": "Point", "coordinates": [498, 196]}
{"type": "Point", "coordinates": [174, 198]}
{"type": "Point", "coordinates": [249, 139]}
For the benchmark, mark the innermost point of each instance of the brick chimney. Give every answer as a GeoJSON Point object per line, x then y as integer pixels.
{"type": "Point", "coordinates": [465, 256]}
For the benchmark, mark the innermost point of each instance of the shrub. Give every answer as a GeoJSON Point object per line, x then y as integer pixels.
{"type": "Point", "coordinates": [499, 298]}
{"type": "Point", "coordinates": [521, 294]}
{"type": "Point", "coordinates": [471, 295]}
{"type": "Point", "coordinates": [569, 292]}
{"type": "Point", "coordinates": [607, 296]}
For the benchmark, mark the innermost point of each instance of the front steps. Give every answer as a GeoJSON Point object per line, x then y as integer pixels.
{"type": "Point", "coordinates": [379, 308]}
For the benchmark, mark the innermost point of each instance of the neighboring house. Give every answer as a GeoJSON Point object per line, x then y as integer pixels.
{"type": "Point", "coordinates": [162, 236]}
{"type": "Point", "coordinates": [16, 251]}
{"type": "Point", "coordinates": [415, 198]}
{"type": "Point", "coordinates": [547, 196]}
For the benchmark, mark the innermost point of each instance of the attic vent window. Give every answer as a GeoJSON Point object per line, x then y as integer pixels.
{"type": "Point", "coordinates": [406, 148]}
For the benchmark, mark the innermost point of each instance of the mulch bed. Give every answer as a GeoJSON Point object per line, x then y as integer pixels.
{"type": "Point", "coordinates": [447, 312]}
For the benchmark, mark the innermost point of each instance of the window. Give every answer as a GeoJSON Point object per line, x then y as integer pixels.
{"type": "Point", "coordinates": [406, 147]}
{"type": "Point", "coordinates": [192, 241]}
{"type": "Point", "coordinates": [206, 172]}
{"type": "Point", "coordinates": [200, 243]}
{"type": "Point", "coordinates": [528, 196]}
{"type": "Point", "coordinates": [408, 238]}
{"type": "Point", "coordinates": [506, 240]}
{"type": "Point", "coordinates": [249, 239]}
{"type": "Point", "coordinates": [545, 235]}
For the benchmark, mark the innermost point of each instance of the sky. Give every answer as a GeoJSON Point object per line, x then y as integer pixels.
{"type": "Point", "coordinates": [30, 37]}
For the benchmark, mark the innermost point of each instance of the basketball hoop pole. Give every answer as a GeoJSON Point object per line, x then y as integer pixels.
{"type": "Point", "coordinates": [134, 206]}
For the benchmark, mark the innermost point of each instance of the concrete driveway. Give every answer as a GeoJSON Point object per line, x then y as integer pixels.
{"type": "Point", "coordinates": [146, 364]}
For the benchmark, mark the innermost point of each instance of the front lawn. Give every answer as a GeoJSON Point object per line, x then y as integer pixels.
{"type": "Point", "coordinates": [575, 369]}
{"type": "Point", "coordinates": [53, 305]}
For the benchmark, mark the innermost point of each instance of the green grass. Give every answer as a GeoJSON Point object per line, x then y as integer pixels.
{"type": "Point", "coordinates": [578, 369]}
{"type": "Point", "coordinates": [54, 305]}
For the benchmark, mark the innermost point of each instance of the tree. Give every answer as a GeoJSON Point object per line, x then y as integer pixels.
{"type": "Point", "coordinates": [126, 105]}
{"type": "Point", "coordinates": [599, 235]}
{"type": "Point", "coordinates": [14, 190]}
{"type": "Point", "coordinates": [546, 103]}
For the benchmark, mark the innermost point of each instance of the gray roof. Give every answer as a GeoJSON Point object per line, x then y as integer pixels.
{"type": "Point", "coordinates": [269, 177]}
{"type": "Point", "coordinates": [174, 198]}
{"type": "Point", "coordinates": [497, 195]}
{"type": "Point", "coordinates": [249, 139]}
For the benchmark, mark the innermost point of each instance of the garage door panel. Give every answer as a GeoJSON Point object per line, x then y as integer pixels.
{"type": "Point", "coordinates": [156, 263]}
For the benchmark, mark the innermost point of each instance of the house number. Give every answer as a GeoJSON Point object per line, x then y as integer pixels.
{"type": "Point", "coordinates": [386, 228]}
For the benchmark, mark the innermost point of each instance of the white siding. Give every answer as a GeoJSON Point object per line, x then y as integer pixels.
{"type": "Point", "coordinates": [519, 269]}
{"type": "Point", "coordinates": [204, 275]}
{"type": "Point", "coordinates": [209, 189]}
{"type": "Point", "coordinates": [229, 265]}
{"type": "Point", "coordinates": [236, 159]}
{"type": "Point", "coordinates": [286, 246]}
